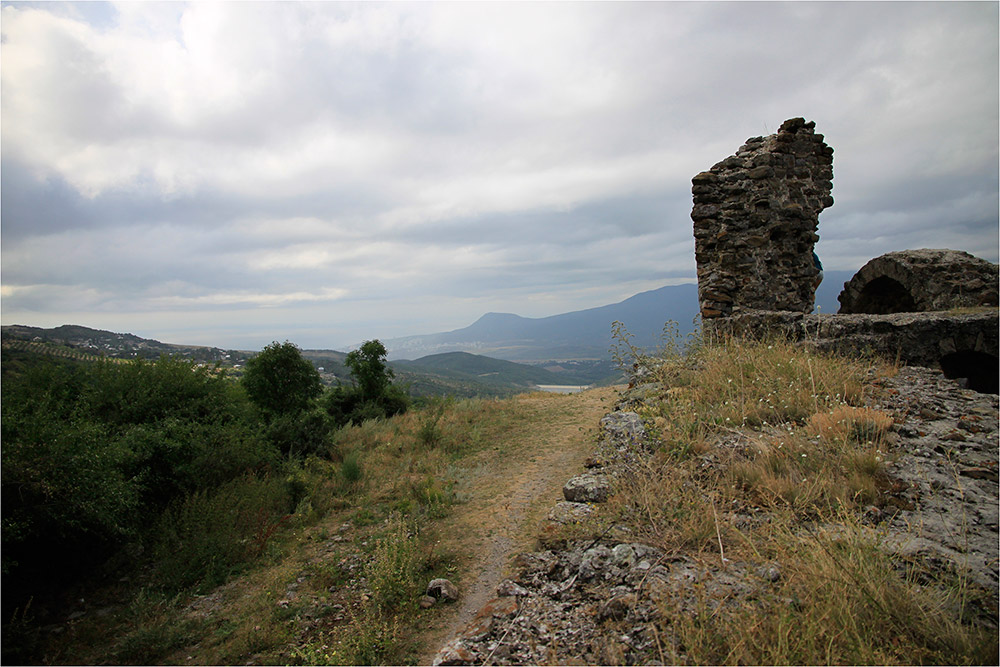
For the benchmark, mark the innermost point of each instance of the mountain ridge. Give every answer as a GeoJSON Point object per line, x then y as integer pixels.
{"type": "Point", "coordinates": [581, 334]}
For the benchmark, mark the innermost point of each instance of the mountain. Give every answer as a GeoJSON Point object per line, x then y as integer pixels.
{"type": "Point", "coordinates": [830, 289]}
{"type": "Point", "coordinates": [582, 334]}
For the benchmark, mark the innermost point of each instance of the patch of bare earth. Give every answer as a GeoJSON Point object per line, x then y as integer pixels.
{"type": "Point", "coordinates": [508, 493]}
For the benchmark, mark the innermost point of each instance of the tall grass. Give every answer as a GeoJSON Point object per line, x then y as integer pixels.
{"type": "Point", "coordinates": [210, 534]}
{"type": "Point", "coordinates": [759, 442]}
{"type": "Point", "coordinates": [840, 600]}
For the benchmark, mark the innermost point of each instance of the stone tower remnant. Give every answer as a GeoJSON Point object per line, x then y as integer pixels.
{"type": "Point", "coordinates": [917, 281]}
{"type": "Point", "coordinates": [755, 219]}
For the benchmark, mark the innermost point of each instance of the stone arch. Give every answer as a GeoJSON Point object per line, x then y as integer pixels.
{"type": "Point", "coordinates": [978, 369]}
{"type": "Point", "coordinates": [920, 281]}
{"type": "Point", "coordinates": [884, 295]}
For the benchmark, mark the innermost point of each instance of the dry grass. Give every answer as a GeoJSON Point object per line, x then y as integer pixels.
{"type": "Point", "coordinates": [840, 600]}
{"type": "Point", "coordinates": [766, 435]}
{"type": "Point", "coordinates": [390, 480]}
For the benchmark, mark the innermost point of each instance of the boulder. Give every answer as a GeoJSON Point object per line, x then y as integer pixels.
{"type": "Point", "coordinates": [442, 589]}
{"type": "Point", "coordinates": [566, 512]}
{"type": "Point", "coordinates": [587, 488]}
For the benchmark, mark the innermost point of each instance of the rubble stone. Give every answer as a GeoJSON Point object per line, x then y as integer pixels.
{"type": "Point", "coordinates": [587, 488]}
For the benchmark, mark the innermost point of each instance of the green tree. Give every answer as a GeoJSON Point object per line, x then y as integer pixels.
{"type": "Point", "coordinates": [280, 381]}
{"type": "Point", "coordinates": [369, 370]}
{"type": "Point", "coordinates": [373, 396]}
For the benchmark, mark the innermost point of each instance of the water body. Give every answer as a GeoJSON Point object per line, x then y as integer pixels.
{"type": "Point", "coordinates": [563, 388]}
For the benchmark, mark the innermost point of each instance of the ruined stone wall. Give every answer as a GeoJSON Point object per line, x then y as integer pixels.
{"type": "Point", "coordinates": [963, 345]}
{"type": "Point", "coordinates": [911, 281]}
{"type": "Point", "coordinates": [755, 218]}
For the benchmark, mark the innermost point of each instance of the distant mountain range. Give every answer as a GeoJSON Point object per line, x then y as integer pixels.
{"type": "Point", "coordinates": [567, 349]}
{"type": "Point", "coordinates": [581, 334]}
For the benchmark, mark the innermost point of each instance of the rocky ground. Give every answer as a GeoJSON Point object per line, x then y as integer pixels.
{"type": "Point", "coordinates": [596, 601]}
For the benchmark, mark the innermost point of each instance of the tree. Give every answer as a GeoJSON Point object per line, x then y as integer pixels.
{"type": "Point", "coordinates": [280, 381]}
{"type": "Point", "coordinates": [373, 396]}
{"type": "Point", "coordinates": [369, 370]}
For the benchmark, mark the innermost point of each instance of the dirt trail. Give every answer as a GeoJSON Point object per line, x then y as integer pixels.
{"type": "Point", "coordinates": [508, 498]}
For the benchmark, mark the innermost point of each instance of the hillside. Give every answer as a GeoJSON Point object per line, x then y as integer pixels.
{"type": "Point", "coordinates": [756, 492]}
{"type": "Point", "coordinates": [582, 334]}
{"type": "Point", "coordinates": [462, 373]}
{"type": "Point", "coordinates": [98, 342]}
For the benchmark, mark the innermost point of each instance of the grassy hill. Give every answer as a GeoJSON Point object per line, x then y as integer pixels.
{"type": "Point", "coordinates": [459, 374]}
{"type": "Point", "coordinates": [465, 374]}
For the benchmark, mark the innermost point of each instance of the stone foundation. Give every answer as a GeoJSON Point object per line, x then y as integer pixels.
{"type": "Point", "coordinates": [964, 346]}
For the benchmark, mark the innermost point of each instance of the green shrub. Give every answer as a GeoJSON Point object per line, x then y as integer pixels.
{"type": "Point", "coordinates": [350, 468]}
{"type": "Point", "coordinates": [300, 434]}
{"type": "Point", "coordinates": [394, 566]}
{"type": "Point", "coordinates": [280, 381]}
{"type": "Point", "coordinates": [209, 534]}
{"type": "Point", "coordinates": [373, 396]}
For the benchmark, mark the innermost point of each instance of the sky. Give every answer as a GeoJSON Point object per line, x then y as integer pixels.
{"type": "Point", "coordinates": [232, 174]}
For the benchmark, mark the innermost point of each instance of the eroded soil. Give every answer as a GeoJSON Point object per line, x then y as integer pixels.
{"type": "Point", "coordinates": [507, 498]}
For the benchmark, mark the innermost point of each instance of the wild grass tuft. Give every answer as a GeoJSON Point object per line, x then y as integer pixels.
{"type": "Point", "coordinates": [394, 565]}
{"type": "Point", "coordinates": [759, 444]}
{"type": "Point", "coordinates": [840, 600]}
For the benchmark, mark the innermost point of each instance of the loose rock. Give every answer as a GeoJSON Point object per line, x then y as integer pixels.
{"type": "Point", "coordinates": [442, 589]}
{"type": "Point", "coordinates": [587, 488]}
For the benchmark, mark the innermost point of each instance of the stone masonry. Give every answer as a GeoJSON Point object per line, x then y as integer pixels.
{"type": "Point", "coordinates": [917, 281]}
{"type": "Point", "coordinates": [755, 218]}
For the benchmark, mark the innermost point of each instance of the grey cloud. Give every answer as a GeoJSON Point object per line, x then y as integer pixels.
{"type": "Point", "coordinates": [472, 175]}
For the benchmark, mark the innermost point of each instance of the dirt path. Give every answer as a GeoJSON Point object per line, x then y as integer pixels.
{"type": "Point", "coordinates": [509, 497]}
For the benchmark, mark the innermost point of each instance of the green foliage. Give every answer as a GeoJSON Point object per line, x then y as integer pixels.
{"type": "Point", "coordinates": [209, 534]}
{"type": "Point", "coordinates": [393, 569]}
{"type": "Point", "coordinates": [369, 370]}
{"type": "Point", "coordinates": [280, 382]}
{"type": "Point", "coordinates": [350, 468]}
{"type": "Point", "coordinates": [376, 642]}
{"type": "Point", "coordinates": [429, 434]}
{"type": "Point", "coordinates": [373, 396]}
{"type": "Point", "coordinates": [92, 453]}
{"type": "Point", "coordinates": [301, 434]}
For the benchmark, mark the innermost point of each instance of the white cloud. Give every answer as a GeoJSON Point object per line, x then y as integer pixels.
{"type": "Point", "coordinates": [396, 164]}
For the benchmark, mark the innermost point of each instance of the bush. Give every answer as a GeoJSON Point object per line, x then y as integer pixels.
{"type": "Point", "coordinates": [373, 396]}
{"type": "Point", "coordinates": [91, 450]}
{"type": "Point", "coordinates": [208, 535]}
{"type": "Point", "coordinates": [301, 434]}
{"type": "Point", "coordinates": [350, 468]}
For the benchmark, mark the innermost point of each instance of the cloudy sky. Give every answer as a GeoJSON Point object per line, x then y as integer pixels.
{"type": "Point", "coordinates": [232, 174]}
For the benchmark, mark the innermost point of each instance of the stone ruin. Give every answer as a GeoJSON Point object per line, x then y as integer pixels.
{"type": "Point", "coordinates": [755, 219]}
{"type": "Point", "coordinates": [920, 281]}
{"type": "Point", "coordinates": [756, 215]}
